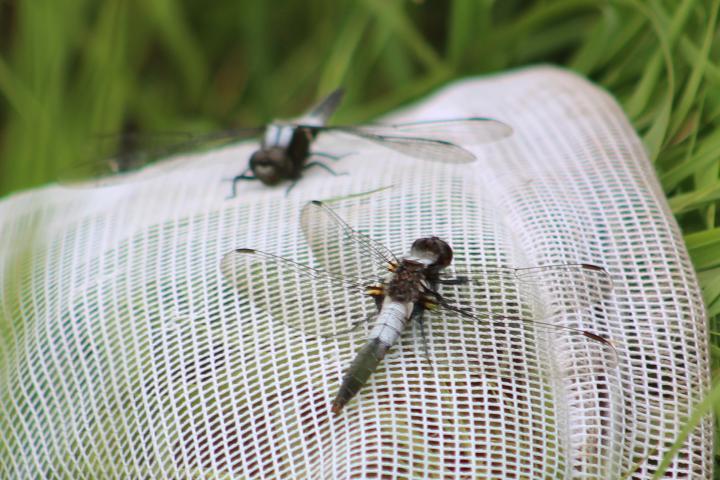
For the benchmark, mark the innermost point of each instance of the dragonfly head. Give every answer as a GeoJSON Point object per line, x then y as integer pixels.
{"type": "Point", "coordinates": [436, 253]}
{"type": "Point", "coordinates": [271, 165]}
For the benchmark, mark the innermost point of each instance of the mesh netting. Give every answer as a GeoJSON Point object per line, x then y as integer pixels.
{"type": "Point", "coordinates": [127, 353]}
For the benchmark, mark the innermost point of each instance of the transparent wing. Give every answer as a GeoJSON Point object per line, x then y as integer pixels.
{"type": "Point", "coordinates": [538, 285]}
{"type": "Point", "coordinates": [422, 148]}
{"type": "Point", "coordinates": [437, 140]}
{"type": "Point", "coordinates": [503, 319]}
{"type": "Point", "coordinates": [321, 113]}
{"type": "Point", "coordinates": [462, 131]}
{"type": "Point", "coordinates": [339, 248]}
{"type": "Point", "coordinates": [318, 303]}
{"type": "Point", "coordinates": [109, 158]}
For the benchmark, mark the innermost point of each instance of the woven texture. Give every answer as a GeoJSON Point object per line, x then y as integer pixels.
{"type": "Point", "coordinates": [126, 352]}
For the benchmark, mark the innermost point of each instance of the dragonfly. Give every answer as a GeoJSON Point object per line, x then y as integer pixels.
{"type": "Point", "coordinates": [329, 303]}
{"type": "Point", "coordinates": [285, 145]}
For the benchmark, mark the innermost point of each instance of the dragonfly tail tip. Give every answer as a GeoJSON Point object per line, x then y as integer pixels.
{"type": "Point", "coordinates": [336, 408]}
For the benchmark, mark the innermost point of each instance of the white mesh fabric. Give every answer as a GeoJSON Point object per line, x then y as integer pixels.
{"type": "Point", "coordinates": [125, 353]}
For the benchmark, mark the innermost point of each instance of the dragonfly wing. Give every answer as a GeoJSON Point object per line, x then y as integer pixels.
{"type": "Point", "coordinates": [493, 319]}
{"type": "Point", "coordinates": [436, 140]}
{"type": "Point", "coordinates": [421, 148]}
{"type": "Point", "coordinates": [511, 344]}
{"type": "Point", "coordinates": [339, 248]}
{"type": "Point", "coordinates": [538, 286]}
{"type": "Point", "coordinates": [321, 113]}
{"type": "Point", "coordinates": [318, 303]}
{"type": "Point", "coordinates": [461, 131]}
{"type": "Point", "coordinates": [109, 158]}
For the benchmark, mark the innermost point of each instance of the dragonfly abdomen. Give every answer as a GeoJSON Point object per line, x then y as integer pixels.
{"type": "Point", "coordinates": [365, 363]}
{"type": "Point", "coordinates": [390, 323]}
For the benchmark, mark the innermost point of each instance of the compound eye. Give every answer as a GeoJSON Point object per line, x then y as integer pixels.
{"type": "Point", "coordinates": [433, 247]}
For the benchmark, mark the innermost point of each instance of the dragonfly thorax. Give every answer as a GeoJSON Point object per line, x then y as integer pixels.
{"type": "Point", "coordinates": [416, 271]}
{"type": "Point", "coordinates": [407, 281]}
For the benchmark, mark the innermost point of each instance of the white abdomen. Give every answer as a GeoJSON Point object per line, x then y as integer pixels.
{"type": "Point", "coordinates": [391, 321]}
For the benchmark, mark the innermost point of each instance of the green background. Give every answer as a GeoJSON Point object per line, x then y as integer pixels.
{"type": "Point", "coordinates": [71, 69]}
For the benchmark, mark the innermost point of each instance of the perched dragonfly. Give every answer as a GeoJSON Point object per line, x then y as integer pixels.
{"type": "Point", "coordinates": [285, 153]}
{"type": "Point", "coordinates": [323, 303]}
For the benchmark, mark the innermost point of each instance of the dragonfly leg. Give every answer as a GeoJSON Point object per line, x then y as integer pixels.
{"type": "Point", "coordinates": [354, 325]}
{"type": "Point", "coordinates": [453, 281]}
{"type": "Point", "coordinates": [418, 315]}
{"type": "Point", "coordinates": [235, 180]}
{"type": "Point", "coordinates": [324, 167]}
{"type": "Point", "coordinates": [331, 156]}
{"type": "Point", "coordinates": [364, 321]}
{"type": "Point", "coordinates": [292, 185]}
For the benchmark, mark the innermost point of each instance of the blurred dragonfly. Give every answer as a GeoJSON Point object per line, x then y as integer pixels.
{"type": "Point", "coordinates": [284, 151]}
{"type": "Point", "coordinates": [329, 303]}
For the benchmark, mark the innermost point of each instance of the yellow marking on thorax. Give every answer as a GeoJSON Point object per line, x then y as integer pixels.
{"type": "Point", "coordinates": [429, 304]}
{"type": "Point", "coordinates": [375, 290]}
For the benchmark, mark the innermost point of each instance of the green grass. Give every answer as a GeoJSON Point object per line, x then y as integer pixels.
{"type": "Point", "coordinates": [74, 68]}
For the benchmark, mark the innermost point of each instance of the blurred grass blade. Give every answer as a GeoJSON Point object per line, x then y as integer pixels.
{"type": "Point", "coordinates": [390, 12]}
{"type": "Point", "coordinates": [343, 51]}
{"type": "Point", "coordinates": [698, 65]}
{"type": "Point", "coordinates": [469, 21]}
{"type": "Point", "coordinates": [655, 137]}
{"type": "Point", "coordinates": [704, 248]}
{"type": "Point", "coordinates": [666, 35]}
{"type": "Point", "coordinates": [710, 279]}
{"type": "Point", "coordinates": [707, 155]}
{"type": "Point", "coordinates": [167, 16]}
{"type": "Point", "coordinates": [15, 93]}
{"type": "Point", "coordinates": [696, 199]}
{"type": "Point", "coordinates": [709, 404]}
